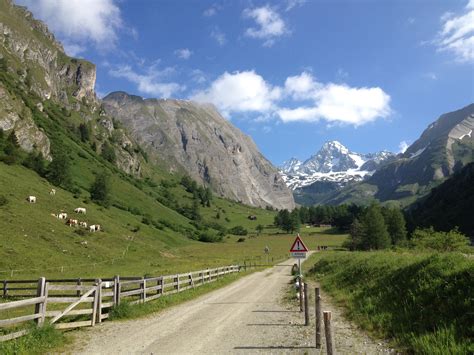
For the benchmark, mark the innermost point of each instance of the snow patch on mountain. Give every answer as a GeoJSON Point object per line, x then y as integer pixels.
{"type": "Point", "coordinates": [333, 162]}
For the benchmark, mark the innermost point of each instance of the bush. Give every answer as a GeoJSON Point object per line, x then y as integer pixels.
{"type": "Point", "coordinates": [241, 240]}
{"type": "Point", "coordinates": [208, 237]}
{"type": "Point", "coordinates": [3, 200]}
{"type": "Point", "coordinates": [238, 230]}
{"type": "Point", "coordinates": [440, 241]}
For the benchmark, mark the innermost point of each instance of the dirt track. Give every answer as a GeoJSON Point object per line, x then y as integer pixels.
{"type": "Point", "coordinates": [247, 316]}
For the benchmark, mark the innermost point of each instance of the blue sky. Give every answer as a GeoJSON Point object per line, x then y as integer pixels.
{"type": "Point", "coordinates": [291, 74]}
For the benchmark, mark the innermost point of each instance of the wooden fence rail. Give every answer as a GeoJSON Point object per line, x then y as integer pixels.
{"type": "Point", "coordinates": [88, 301]}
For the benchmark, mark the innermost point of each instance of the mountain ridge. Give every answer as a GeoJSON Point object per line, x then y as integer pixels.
{"type": "Point", "coordinates": [194, 138]}
{"type": "Point", "coordinates": [334, 162]}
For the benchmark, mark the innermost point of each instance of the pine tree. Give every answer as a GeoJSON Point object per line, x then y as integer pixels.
{"type": "Point", "coordinates": [100, 189]}
{"type": "Point", "coordinates": [357, 235]}
{"type": "Point", "coordinates": [59, 171]}
{"type": "Point", "coordinates": [11, 148]}
{"type": "Point", "coordinates": [396, 225]}
{"type": "Point", "coordinates": [375, 235]}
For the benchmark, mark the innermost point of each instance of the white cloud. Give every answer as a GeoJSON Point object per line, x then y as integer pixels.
{"type": "Point", "coordinates": [411, 20]}
{"type": "Point", "coordinates": [457, 34]}
{"type": "Point", "coordinates": [336, 103]}
{"type": "Point", "coordinates": [198, 76]}
{"type": "Point", "coordinates": [80, 21]}
{"type": "Point", "coordinates": [150, 82]}
{"type": "Point", "coordinates": [342, 104]}
{"type": "Point", "coordinates": [301, 86]}
{"type": "Point", "coordinates": [73, 49]}
{"type": "Point", "coordinates": [290, 4]}
{"type": "Point", "coordinates": [430, 75]}
{"type": "Point", "coordinates": [403, 146]}
{"type": "Point", "coordinates": [212, 10]}
{"type": "Point", "coordinates": [270, 25]}
{"type": "Point", "coordinates": [240, 92]}
{"type": "Point", "coordinates": [218, 36]}
{"type": "Point", "coordinates": [183, 53]}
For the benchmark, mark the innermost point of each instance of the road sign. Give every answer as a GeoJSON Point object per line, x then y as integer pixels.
{"type": "Point", "coordinates": [298, 254]}
{"type": "Point", "coordinates": [298, 245]}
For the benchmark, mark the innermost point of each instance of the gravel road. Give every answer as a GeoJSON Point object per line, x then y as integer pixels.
{"type": "Point", "coordinates": [248, 316]}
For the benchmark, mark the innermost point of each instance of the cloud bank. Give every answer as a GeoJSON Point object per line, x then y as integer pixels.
{"type": "Point", "coordinates": [78, 22]}
{"type": "Point", "coordinates": [302, 98]}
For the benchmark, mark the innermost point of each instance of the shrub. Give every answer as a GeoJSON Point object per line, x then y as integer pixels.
{"type": "Point", "coordinates": [241, 240]}
{"type": "Point", "coordinates": [208, 237]}
{"type": "Point", "coordinates": [3, 200]}
{"type": "Point", "coordinates": [440, 241]}
{"type": "Point", "coordinates": [238, 230]}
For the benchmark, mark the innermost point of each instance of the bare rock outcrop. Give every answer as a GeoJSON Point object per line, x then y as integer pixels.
{"type": "Point", "coordinates": [196, 139]}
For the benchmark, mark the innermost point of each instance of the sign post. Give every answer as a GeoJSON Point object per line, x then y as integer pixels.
{"type": "Point", "coordinates": [298, 250]}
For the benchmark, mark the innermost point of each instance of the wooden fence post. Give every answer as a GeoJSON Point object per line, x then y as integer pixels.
{"type": "Point", "coordinates": [78, 283]}
{"type": "Point", "coordinates": [119, 290]}
{"type": "Point", "coordinates": [99, 300]}
{"type": "Point", "coordinates": [40, 290]}
{"type": "Point", "coordinates": [300, 283]}
{"type": "Point", "coordinates": [217, 273]}
{"type": "Point", "coordinates": [176, 279]}
{"type": "Point", "coordinates": [143, 287]}
{"type": "Point", "coordinates": [328, 333]}
{"type": "Point", "coordinates": [318, 317]}
{"type": "Point", "coordinates": [159, 282]}
{"type": "Point", "coordinates": [191, 281]}
{"type": "Point", "coordinates": [116, 281]}
{"type": "Point", "coordinates": [208, 275]}
{"type": "Point", "coordinates": [5, 288]}
{"type": "Point", "coordinates": [95, 305]}
{"type": "Point", "coordinates": [306, 310]}
{"type": "Point", "coordinates": [201, 274]}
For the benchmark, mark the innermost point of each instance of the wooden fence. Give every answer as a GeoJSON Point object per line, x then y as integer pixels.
{"type": "Point", "coordinates": [88, 300]}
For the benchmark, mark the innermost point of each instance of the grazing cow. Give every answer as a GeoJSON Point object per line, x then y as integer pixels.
{"type": "Point", "coordinates": [252, 218]}
{"type": "Point", "coordinates": [31, 199]}
{"type": "Point", "coordinates": [52, 192]}
{"type": "Point", "coordinates": [80, 210]}
{"type": "Point", "coordinates": [62, 215]}
{"type": "Point", "coordinates": [83, 224]}
{"type": "Point", "coordinates": [72, 222]}
{"type": "Point", "coordinates": [94, 228]}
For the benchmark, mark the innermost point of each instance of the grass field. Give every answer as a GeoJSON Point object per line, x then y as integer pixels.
{"type": "Point", "coordinates": [423, 301]}
{"type": "Point", "coordinates": [33, 243]}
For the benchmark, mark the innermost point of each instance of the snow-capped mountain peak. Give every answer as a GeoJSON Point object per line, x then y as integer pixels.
{"type": "Point", "coordinates": [291, 165]}
{"type": "Point", "coordinates": [333, 162]}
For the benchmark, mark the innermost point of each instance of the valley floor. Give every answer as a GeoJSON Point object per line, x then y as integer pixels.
{"type": "Point", "coordinates": [248, 316]}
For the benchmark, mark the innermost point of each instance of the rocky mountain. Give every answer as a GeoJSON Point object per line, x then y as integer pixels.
{"type": "Point", "coordinates": [195, 139]}
{"type": "Point", "coordinates": [333, 164]}
{"type": "Point", "coordinates": [39, 82]}
{"type": "Point", "coordinates": [448, 205]}
{"type": "Point", "coordinates": [442, 149]}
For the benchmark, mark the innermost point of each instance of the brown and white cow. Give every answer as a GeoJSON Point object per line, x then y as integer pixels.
{"type": "Point", "coordinates": [80, 210]}
{"type": "Point", "coordinates": [72, 222]}
{"type": "Point", "coordinates": [31, 199]}
{"type": "Point", "coordinates": [83, 224]}
{"type": "Point", "coordinates": [62, 215]}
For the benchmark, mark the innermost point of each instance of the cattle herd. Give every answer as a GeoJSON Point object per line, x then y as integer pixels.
{"type": "Point", "coordinates": [71, 222]}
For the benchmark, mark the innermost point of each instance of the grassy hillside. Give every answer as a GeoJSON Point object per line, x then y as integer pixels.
{"type": "Point", "coordinates": [34, 243]}
{"type": "Point", "coordinates": [423, 301]}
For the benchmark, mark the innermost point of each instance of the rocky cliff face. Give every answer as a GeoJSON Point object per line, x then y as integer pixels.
{"type": "Point", "coordinates": [196, 139]}
{"type": "Point", "coordinates": [35, 63]}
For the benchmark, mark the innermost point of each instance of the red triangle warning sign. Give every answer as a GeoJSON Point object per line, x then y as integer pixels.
{"type": "Point", "coordinates": [298, 245]}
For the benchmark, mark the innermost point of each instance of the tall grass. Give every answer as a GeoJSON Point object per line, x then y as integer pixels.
{"type": "Point", "coordinates": [425, 302]}
{"type": "Point", "coordinates": [38, 341]}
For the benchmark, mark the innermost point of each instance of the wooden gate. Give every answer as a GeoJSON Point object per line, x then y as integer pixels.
{"type": "Point", "coordinates": [89, 294]}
